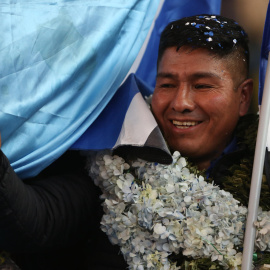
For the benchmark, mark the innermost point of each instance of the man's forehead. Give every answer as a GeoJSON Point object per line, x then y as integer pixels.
{"type": "Point", "coordinates": [200, 58]}
{"type": "Point", "coordinates": [187, 50]}
{"type": "Point", "coordinates": [193, 65]}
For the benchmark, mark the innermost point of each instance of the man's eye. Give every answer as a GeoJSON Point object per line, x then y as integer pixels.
{"type": "Point", "coordinates": [202, 86]}
{"type": "Point", "coordinates": [167, 85]}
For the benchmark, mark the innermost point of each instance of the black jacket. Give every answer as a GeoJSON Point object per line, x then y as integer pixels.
{"type": "Point", "coordinates": [52, 220]}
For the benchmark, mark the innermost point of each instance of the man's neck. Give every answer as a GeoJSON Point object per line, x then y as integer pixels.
{"type": "Point", "coordinates": [208, 162]}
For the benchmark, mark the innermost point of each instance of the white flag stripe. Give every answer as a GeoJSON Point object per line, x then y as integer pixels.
{"type": "Point", "coordinates": [138, 123]}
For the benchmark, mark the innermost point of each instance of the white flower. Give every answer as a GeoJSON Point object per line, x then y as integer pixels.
{"type": "Point", "coordinates": [152, 210]}
{"type": "Point", "coordinates": [159, 229]}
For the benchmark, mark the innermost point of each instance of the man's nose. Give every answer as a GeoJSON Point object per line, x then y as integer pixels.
{"type": "Point", "coordinates": [183, 100]}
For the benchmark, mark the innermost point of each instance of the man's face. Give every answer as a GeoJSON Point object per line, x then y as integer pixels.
{"type": "Point", "coordinates": [196, 103]}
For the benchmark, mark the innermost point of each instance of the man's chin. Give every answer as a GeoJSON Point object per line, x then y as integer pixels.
{"type": "Point", "coordinates": [184, 152]}
{"type": "Point", "coordinates": [186, 148]}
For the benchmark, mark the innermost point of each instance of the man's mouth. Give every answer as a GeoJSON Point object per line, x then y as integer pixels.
{"type": "Point", "coordinates": [185, 124]}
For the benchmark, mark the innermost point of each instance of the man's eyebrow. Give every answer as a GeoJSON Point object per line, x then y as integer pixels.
{"type": "Point", "coordinates": [197, 75]}
{"type": "Point", "coordinates": [166, 75]}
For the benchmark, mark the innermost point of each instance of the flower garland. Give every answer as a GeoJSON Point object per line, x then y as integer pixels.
{"type": "Point", "coordinates": [152, 211]}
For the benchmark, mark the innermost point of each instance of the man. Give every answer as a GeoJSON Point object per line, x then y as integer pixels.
{"type": "Point", "coordinates": [202, 91]}
{"type": "Point", "coordinates": [202, 86]}
{"type": "Point", "coordinates": [201, 98]}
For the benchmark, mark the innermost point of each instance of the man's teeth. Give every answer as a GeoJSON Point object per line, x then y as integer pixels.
{"type": "Point", "coordinates": [187, 124]}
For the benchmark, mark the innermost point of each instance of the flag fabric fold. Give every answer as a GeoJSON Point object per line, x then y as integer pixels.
{"type": "Point", "coordinates": [127, 126]}
{"type": "Point", "coordinates": [62, 62]}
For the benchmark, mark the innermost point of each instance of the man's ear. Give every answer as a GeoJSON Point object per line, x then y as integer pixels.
{"type": "Point", "coordinates": [246, 89]}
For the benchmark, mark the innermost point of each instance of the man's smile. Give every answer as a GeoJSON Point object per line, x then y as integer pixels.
{"type": "Point", "coordinates": [184, 124]}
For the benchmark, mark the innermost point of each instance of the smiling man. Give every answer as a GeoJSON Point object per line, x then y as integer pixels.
{"type": "Point", "coordinates": [200, 102]}
{"type": "Point", "coordinates": [202, 86]}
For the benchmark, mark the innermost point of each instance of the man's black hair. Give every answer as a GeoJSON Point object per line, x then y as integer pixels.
{"type": "Point", "coordinates": [221, 36]}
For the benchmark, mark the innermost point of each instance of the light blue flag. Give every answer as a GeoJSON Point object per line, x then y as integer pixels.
{"type": "Point", "coordinates": [171, 10]}
{"type": "Point", "coordinates": [61, 63]}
